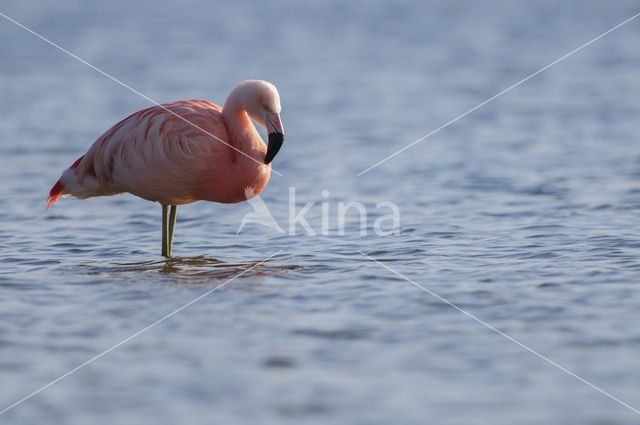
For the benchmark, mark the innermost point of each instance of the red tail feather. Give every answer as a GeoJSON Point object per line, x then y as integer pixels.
{"type": "Point", "coordinates": [56, 190]}
{"type": "Point", "coordinates": [55, 193]}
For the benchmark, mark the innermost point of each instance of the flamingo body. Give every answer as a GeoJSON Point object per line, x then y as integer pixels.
{"type": "Point", "coordinates": [182, 152]}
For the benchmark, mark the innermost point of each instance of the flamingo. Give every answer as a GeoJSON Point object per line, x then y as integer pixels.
{"type": "Point", "coordinates": [182, 152]}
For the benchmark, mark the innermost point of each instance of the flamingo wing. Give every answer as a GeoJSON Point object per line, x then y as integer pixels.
{"type": "Point", "coordinates": [159, 154]}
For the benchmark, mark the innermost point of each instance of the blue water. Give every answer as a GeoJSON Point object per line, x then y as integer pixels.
{"type": "Point", "coordinates": [523, 213]}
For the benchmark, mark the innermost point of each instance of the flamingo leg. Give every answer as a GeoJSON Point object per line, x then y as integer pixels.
{"type": "Point", "coordinates": [172, 227]}
{"type": "Point", "coordinates": [168, 228]}
{"type": "Point", "coordinates": [165, 231]}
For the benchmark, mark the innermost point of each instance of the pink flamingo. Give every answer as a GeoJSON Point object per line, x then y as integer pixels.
{"type": "Point", "coordinates": [182, 152]}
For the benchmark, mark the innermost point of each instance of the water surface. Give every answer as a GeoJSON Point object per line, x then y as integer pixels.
{"type": "Point", "coordinates": [523, 213]}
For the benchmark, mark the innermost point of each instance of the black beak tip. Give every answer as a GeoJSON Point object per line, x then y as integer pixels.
{"type": "Point", "coordinates": [273, 147]}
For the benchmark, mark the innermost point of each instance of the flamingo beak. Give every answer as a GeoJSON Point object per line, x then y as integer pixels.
{"type": "Point", "coordinates": [276, 136]}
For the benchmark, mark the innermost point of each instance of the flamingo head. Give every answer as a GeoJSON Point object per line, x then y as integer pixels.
{"type": "Point", "coordinates": [264, 108]}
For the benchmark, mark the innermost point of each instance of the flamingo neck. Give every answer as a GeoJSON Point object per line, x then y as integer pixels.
{"type": "Point", "coordinates": [250, 170]}
{"type": "Point", "coordinates": [242, 132]}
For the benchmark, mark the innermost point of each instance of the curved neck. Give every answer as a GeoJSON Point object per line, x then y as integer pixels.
{"type": "Point", "coordinates": [244, 173]}
{"type": "Point", "coordinates": [242, 133]}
